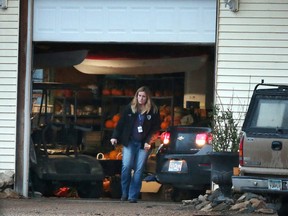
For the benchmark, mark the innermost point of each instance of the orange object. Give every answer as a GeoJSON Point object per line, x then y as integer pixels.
{"type": "Point", "coordinates": [128, 92]}
{"type": "Point", "coordinates": [162, 114]}
{"type": "Point", "coordinates": [106, 156]}
{"type": "Point", "coordinates": [67, 93]}
{"type": "Point", "coordinates": [62, 192]}
{"type": "Point", "coordinates": [114, 91]}
{"type": "Point", "coordinates": [106, 185]}
{"type": "Point", "coordinates": [117, 92]}
{"type": "Point", "coordinates": [168, 118]}
{"type": "Point", "coordinates": [116, 117]}
{"type": "Point", "coordinates": [164, 125]}
{"type": "Point", "coordinates": [236, 171]}
{"type": "Point", "coordinates": [113, 155]}
{"type": "Point", "coordinates": [109, 123]}
{"type": "Point", "coordinates": [106, 92]}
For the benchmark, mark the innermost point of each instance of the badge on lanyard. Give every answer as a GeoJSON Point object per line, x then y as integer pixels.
{"type": "Point", "coordinates": [140, 129]}
{"type": "Point", "coordinates": [141, 119]}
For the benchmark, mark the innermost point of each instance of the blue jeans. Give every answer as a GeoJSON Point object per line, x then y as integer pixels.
{"type": "Point", "coordinates": [133, 158]}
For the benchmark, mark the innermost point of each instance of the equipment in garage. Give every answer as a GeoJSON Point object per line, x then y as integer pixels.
{"type": "Point", "coordinates": [56, 140]}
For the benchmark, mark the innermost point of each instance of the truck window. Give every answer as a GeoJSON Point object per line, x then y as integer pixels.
{"type": "Point", "coordinates": [263, 117]}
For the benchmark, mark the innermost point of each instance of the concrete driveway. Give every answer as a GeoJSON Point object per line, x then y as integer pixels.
{"type": "Point", "coordinates": [76, 206]}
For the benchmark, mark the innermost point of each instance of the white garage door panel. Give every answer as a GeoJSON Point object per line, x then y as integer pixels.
{"type": "Point", "coordinates": [125, 20]}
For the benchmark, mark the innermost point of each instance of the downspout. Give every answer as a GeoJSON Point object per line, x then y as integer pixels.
{"type": "Point", "coordinates": [27, 105]}
{"type": "Point", "coordinates": [24, 98]}
{"type": "Point", "coordinates": [218, 8]}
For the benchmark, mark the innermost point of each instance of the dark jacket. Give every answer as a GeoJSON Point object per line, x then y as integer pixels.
{"type": "Point", "coordinates": [124, 128]}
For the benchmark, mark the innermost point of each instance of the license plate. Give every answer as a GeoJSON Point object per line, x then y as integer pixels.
{"type": "Point", "coordinates": [274, 184]}
{"type": "Point", "coordinates": [175, 165]}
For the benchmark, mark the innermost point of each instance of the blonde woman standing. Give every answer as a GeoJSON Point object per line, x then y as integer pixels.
{"type": "Point", "coordinates": [139, 121]}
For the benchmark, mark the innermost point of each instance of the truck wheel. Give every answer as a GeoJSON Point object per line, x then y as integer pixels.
{"type": "Point", "coordinates": [90, 189]}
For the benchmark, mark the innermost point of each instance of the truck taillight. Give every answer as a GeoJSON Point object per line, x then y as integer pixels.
{"type": "Point", "coordinates": [241, 160]}
{"type": "Point", "coordinates": [165, 137]}
{"type": "Point", "coordinates": [203, 138]}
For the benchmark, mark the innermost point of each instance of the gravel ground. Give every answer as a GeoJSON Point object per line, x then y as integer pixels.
{"type": "Point", "coordinates": [76, 206]}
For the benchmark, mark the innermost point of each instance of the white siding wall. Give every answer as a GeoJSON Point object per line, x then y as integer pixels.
{"type": "Point", "coordinates": [9, 23]}
{"type": "Point", "coordinates": [252, 44]}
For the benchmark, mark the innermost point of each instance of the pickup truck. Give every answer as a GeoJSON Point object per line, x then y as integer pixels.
{"type": "Point", "coordinates": [182, 161]}
{"type": "Point", "coordinates": [264, 144]}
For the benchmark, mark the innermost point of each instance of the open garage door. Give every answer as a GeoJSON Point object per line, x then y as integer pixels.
{"type": "Point", "coordinates": [156, 21]}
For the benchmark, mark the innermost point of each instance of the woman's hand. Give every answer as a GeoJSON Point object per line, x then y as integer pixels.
{"type": "Point", "coordinates": [147, 146]}
{"type": "Point", "coordinates": [113, 141]}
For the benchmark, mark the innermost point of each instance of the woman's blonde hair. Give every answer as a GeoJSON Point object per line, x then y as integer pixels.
{"type": "Point", "coordinates": [149, 103]}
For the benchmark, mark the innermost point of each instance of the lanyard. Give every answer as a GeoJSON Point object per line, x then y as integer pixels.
{"type": "Point", "coordinates": [141, 119]}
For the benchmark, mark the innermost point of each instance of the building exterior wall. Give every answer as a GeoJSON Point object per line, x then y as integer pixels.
{"type": "Point", "coordinates": [9, 25]}
{"type": "Point", "coordinates": [252, 44]}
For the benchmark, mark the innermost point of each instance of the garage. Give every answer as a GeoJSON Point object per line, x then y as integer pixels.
{"type": "Point", "coordinates": [89, 59]}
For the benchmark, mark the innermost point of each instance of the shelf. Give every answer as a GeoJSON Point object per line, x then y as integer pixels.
{"type": "Point", "coordinates": [79, 100]}
{"type": "Point", "coordinates": [117, 96]}
{"type": "Point", "coordinates": [77, 116]}
{"type": "Point", "coordinates": [163, 98]}
{"type": "Point", "coordinates": [88, 105]}
{"type": "Point", "coordinates": [130, 97]}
